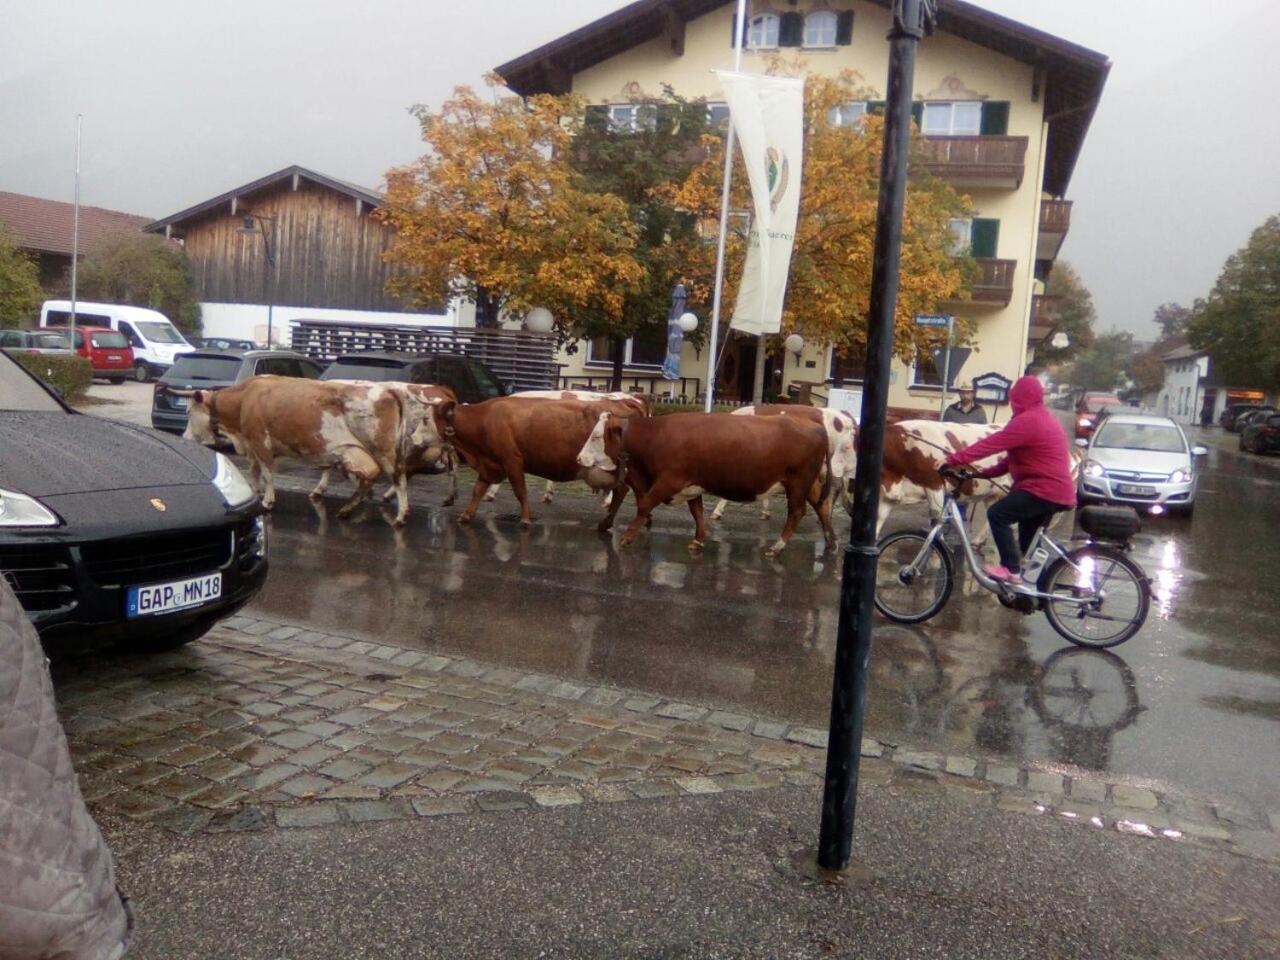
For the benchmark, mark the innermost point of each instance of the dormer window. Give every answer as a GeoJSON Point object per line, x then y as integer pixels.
{"type": "Point", "coordinates": [763, 34]}
{"type": "Point", "coordinates": [820, 29]}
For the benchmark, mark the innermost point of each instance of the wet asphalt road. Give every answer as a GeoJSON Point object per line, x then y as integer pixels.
{"type": "Point", "coordinates": [1192, 701]}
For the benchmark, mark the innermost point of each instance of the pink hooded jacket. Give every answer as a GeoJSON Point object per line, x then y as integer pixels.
{"type": "Point", "coordinates": [1039, 460]}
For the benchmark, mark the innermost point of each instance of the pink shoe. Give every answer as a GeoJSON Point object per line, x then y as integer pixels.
{"type": "Point", "coordinates": [998, 571]}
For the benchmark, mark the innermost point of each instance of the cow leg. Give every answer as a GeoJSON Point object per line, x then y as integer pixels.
{"type": "Point", "coordinates": [645, 503]}
{"type": "Point", "coordinates": [477, 492]}
{"type": "Point", "coordinates": [262, 474]}
{"type": "Point", "coordinates": [551, 489]}
{"type": "Point", "coordinates": [363, 471]}
{"type": "Point", "coordinates": [764, 507]}
{"type": "Point", "coordinates": [979, 530]}
{"type": "Point", "coordinates": [882, 513]}
{"type": "Point", "coordinates": [699, 528]}
{"type": "Point", "coordinates": [521, 490]}
{"type": "Point", "coordinates": [452, 461]}
{"type": "Point", "coordinates": [795, 512]}
{"type": "Point", "coordinates": [616, 496]}
{"type": "Point", "coordinates": [823, 506]}
{"type": "Point", "coordinates": [491, 494]}
{"type": "Point", "coordinates": [323, 485]}
{"type": "Point", "coordinates": [718, 512]}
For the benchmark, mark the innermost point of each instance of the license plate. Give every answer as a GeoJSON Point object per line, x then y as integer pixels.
{"type": "Point", "coordinates": [114, 357]}
{"type": "Point", "coordinates": [181, 403]}
{"type": "Point", "coordinates": [1134, 490]}
{"type": "Point", "coordinates": [177, 595]}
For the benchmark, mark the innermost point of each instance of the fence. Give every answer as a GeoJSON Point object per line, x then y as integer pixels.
{"type": "Point", "coordinates": [525, 361]}
{"type": "Point", "coordinates": [652, 386]}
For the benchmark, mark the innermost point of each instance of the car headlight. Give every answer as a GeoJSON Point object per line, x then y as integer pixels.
{"type": "Point", "coordinates": [1180, 476]}
{"type": "Point", "coordinates": [19, 510]}
{"type": "Point", "coordinates": [1093, 469]}
{"type": "Point", "coordinates": [230, 482]}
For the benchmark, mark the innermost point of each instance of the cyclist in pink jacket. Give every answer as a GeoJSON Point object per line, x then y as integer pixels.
{"type": "Point", "coordinates": [1039, 462]}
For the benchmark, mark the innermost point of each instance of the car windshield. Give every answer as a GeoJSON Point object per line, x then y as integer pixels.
{"type": "Point", "coordinates": [158, 332]}
{"type": "Point", "coordinates": [188, 367]}
{"type": "Point", "coordinates": [366, 370]}
{"type": "Point", "coordinates": [1156, 437]}
{"type": "Point", "coordinates": [108, 340]}
{"type": "Point", "coordinates": [22, 393]}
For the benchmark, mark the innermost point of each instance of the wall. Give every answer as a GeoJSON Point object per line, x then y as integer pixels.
{"type": "Point", "coordinates": [1000, 345]}
{"type": "Point", "coordinates": [1182, 393]}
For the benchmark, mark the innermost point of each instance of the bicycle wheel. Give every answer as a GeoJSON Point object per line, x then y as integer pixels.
{"type": "Point", "coordinates": [1125, 596]}
{"type": "Point", "coordinates": [907, 595]}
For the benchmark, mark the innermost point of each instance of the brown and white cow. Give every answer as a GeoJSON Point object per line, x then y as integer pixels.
{"type": "Point", "coordinates": [367, 430]}
{"type": "Point", "coordinates": [637, 405]}
{"type": "Point", "coordinates": [508, 437]}
{"type": "Point", "coordinates": [842, 444]}
{"type": "Point", "coordinates": [678, 457]}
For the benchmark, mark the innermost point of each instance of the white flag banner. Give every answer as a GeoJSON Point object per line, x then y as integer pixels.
{"type": "Point", "coordinates": [768, 120]}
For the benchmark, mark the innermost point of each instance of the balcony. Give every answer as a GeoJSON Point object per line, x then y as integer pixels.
{"type": "Point", "coordinates": [1044, 317]}
{"type": "Point", "coordinates": [1055, 221]}
{"type": "Point", "coordinates": [977, 161]}
{"type": "Point", "coordinates": [994, 282]}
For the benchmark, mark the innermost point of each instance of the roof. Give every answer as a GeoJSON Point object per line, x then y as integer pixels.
{"type": "Point", "coordinates": [46, 226]}
{"type": "Point", "coordinates": [371, 197]}
{"type": "Point", "coordinates": [1074, 75]}
{"type": "Point", "coordinates": [1184, 352]}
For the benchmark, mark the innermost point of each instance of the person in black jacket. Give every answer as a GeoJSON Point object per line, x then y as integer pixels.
{"type": "Point", "coordinates": [966, 409]}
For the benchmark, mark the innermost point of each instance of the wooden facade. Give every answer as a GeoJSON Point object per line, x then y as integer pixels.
{"type": "Point", "coordinates": [328, 247]}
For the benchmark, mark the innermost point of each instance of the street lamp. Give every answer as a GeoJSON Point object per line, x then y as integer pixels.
{"type": "Point", "coordinates": [794, 344]}
{"type": "Point", "coordinates": [267, 223]}
{"type": "Point", "coordinates": [688, 322]}
{"type": "Point", "coordinates": [1060, 341]}
{"type": "Point", "coordinates": [539, 320]}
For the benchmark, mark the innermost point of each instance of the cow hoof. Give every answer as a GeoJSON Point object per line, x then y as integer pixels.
{"type": "Point", "coordinates": [464, 518]}
{"type": "Point", "coordinates": [695, 546]}
{"type": "Point", "coordinates": [714, 518]}
{"type": "Point", "coordinates": [447, 502]}
{"type": "Point", "coordinates": [399, 521]}
{"type": "Point", "coordinates": [772, 553]}
{"type": "Point", "coordinates": [546, 498]}
{"type": "Point", "coordinates": [603, 526]}
{"type": "Point", "coordinates": [625, 541]}
{"type": "Point", "coordinates": [526, 524]}
{"type": "Point", "coordinates": [315, 496]}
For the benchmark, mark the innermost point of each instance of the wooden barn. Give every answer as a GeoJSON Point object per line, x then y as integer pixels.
{"type": "Point", "coordinates": [293, 237]}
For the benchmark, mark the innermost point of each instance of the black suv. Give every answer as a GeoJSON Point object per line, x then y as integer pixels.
{"type": "Point", "coordinates": [213, 370]}
{"type": "Point", "coordinates": [470, 379]}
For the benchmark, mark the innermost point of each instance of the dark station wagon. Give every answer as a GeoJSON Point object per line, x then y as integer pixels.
{"type": "Point", "coordinates": [213, 370]}
{"type": "Point", "coordinates": [469, 379]}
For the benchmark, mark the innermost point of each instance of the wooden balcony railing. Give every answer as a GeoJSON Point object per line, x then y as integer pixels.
{"type": "Point", "coordinates": [977, 161]}
{"type": "Point", "coordinates": [1055, 216]}
{"type": "Point", "coordinates": [994, 283]}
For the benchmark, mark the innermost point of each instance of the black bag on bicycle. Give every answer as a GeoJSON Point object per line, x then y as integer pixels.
{"type": "Point", "coordinates": [1110, 524]}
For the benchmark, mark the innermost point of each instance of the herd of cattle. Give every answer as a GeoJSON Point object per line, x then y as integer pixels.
{"type": "Point", "coordinates": [610, 442]}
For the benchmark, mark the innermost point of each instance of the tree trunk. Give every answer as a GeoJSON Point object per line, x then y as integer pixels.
{"type": "Point", "coordinates": [486, 312]}
{"type": "Point", "coordinates": [619, 347]}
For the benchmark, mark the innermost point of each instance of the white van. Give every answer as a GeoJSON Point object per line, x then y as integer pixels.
{"type": "Point", "coordinates": [155, 341]}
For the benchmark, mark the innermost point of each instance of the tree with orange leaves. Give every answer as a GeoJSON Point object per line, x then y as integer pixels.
{"type": "Point", "coordinates": [494, 213]}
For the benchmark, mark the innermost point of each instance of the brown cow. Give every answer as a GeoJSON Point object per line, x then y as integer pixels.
{"type": "Point", "coordinates": [679, 457]}
{"type": "Point", "coordinates": [507, 437]}
{"type": "Point", "coordinates": [366, 429]}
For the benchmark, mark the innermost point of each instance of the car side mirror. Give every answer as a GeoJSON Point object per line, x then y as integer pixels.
{"type": "Point", "coordinates": [1199, 451]}
{"type": "Point", "coordinates": [1082, 443]}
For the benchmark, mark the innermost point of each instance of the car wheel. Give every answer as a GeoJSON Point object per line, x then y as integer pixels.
{"type": "Point", "coordinates": [140, 372]}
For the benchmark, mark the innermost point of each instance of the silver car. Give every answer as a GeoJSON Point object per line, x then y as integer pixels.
{"type": "Point", "coordinates": [1141, 461]}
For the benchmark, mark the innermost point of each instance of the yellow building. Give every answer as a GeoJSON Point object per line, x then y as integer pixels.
{"type": "Point", "coordinates": [1004, 109]}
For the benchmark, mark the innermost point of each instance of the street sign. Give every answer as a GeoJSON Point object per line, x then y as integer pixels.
{"type": "Point", "coordinates": [949, 360]}
{"type": "Point", "coordinates": [992, 388]}
{"type": "Point", "coordinates": [932, 320]}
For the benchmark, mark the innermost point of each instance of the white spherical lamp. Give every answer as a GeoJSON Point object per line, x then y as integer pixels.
{"type": "Point", "coordinates": [539, 320]}
{"type": "Point", "coordinates": [795, 343]}
{"type": "Point", "coordinates": [688, 322]}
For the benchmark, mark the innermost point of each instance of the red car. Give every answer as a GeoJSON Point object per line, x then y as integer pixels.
{"type": "Point", "coordinates": [1087, 410]}
{"type": "Point", "coordinates": [108, 351]}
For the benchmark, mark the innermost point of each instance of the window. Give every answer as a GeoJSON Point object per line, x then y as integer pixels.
{"type": "Point", "coordinates": [847, 369]}
{"type": "Point", "coordinates": [452, 372]}
{"type": "Point", "coordinates": [647, 349]}
{"type": "Point", "coordinates": [925, 373]}
{"type": "Point", "coordinates": [848, 114]}
{"type": "Point", "coordinates": [132, 335]}
{"type": "Point", "coordinates": [820, 29]}
{"type": "Point", "coordinates": [978, 237]}
{"type": "Point", "coordinates": [11, 338]}
{"type": "Point", "coordinates": [489, 387]}
{"type": "Point", "coordinates": [953, 118]}
{"type": "Point", "coordinates": [633, 117]}
{"type": "Point", "coordinates": [718, 116]}
{"type": "Point", "coordinates": [62, 318]}
{"type": "Point", "coordinates": [108, 340]}
{"type": "Point", "coordinates": [763, 33]}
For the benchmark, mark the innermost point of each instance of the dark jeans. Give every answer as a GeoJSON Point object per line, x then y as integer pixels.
{"type": "Point", "coordinates": [1030, 513]}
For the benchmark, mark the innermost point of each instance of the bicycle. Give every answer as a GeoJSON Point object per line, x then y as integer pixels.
{"type": "Point", "coordinates": [1080, 590]}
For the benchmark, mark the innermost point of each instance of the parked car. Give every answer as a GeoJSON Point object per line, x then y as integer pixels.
{"type": "Point", "coordinates": [107, 351]}
{"type": "Point", "coordinates": [35, 341]}
{"type": "Point", "coordinates": [1142, 461]}
{"type": "Point", "coordinates": [1249, 417]}
{"type": "Point", "coordinates": [470, 379]}
{"type": "Point", "coordinates": [221, 343]}
{"type": "Point", "coordinates": [154, 340]}
{"type": "Point", "coordinates": [1088, 408]}
{"type": "Point", "coordinates": [213, 370]}
{"type": "Point", "coordinates": [110, 531]}
{"type": "Point", "coordinates": [1262, 435]}
{"type": "Point", "coordinates": [1230, 413]}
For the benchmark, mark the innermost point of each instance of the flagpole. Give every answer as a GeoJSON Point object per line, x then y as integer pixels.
{"type": "Point", "coordinates": [739, 20]}
{"type": "Point", "coordinates": [75, 238]}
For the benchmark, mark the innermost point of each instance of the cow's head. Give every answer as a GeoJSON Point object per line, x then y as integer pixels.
{"type": "Point", "coordinates": [595, 453]}
{"type": "Point", "coordinates": [202, 425]}
{"type": "Point", "coordinates": [442, 414]}
{"type": "Point", "coordinates": [425, 437]}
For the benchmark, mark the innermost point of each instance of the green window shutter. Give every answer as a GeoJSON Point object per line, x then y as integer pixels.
{"type": "Point", "coordinates": [844, 28]}
{"type": "Point", "coordinates": [876, 107]}
{"type": "Point", "coordinates": [984, 237]}
{"type": "Point", "coordinates": [995, 118]}
{"type": "Point", "coordinates": [917, 113]}
{"type": "Point", "coordinates": [791, 30]}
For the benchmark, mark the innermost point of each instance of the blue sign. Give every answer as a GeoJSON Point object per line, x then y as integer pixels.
{"type": "Point", "coordinates": [932, 320]}
{"type": "Point", "coordinates": [675, 335]}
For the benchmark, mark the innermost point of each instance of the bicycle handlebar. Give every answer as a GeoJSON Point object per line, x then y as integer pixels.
{"type": "Point", "coordinates": [957, 474]}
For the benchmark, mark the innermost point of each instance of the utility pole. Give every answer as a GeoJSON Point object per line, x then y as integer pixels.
{"type": "Point", "coordinates": [912, 20]}
{"type": "Point", "coordinates": [75, 240]}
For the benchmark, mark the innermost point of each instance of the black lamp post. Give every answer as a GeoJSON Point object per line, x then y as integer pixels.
{"type": "Point", "coordinates": [267, 222]}
{"type": "Point", "coordinates": [912, 19]}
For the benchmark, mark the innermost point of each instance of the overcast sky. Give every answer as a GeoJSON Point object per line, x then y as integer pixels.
{"type": "Point", "coordinates": [183, 100]}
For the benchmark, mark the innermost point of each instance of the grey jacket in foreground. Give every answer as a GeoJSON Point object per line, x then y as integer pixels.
{"type": "Point", "coordinates": [58, 896]}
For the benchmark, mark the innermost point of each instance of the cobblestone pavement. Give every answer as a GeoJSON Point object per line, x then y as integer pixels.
{"type": "Point", "coordinates": [266, 726]}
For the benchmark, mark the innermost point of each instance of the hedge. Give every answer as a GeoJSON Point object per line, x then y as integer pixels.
{"type": "Point", "coordinates": [68, 375]}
